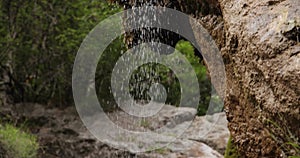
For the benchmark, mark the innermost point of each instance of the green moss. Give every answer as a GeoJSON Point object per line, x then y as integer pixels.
{"type": "Point", "coordinates": [231, 151]}
{"type": "Point", "coordinates": [18, 143]}
{"type": "Point", "coordinates": [145, 123]}
{"type": "Point", "coordinates": [161, 151]}
{"type": "Point", "coordinates": [158, 150]}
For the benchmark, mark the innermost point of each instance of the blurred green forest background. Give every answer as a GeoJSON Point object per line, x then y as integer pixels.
{"type": "Point", "coordinates": [38, 45]}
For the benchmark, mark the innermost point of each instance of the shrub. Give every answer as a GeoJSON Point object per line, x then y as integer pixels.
{"type": "Point", "coordinates": [18, 143]}
{"type": "Point", "coordinates": [40, 42]}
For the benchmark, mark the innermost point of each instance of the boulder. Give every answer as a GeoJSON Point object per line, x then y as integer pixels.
{"type": "Point", "coordinates": [262, 57]}
{"type": "Point", "coordinates": [211, 130]}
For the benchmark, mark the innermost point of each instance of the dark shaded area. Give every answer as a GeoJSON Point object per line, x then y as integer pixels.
{"type": "Point", "coordinates": [145, 35]}
{"type": "Point", "coordinates": [293, 34]}
{"type": "Point", "coordinates": [3, 152]}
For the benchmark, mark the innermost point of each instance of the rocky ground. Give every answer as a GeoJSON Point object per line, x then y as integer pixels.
{"type": "Point", "coordinates": [61, 133]}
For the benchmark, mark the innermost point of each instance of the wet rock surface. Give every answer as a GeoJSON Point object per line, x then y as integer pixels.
{"type": "Point", "coordinates": [263, 74]}
{"type": "Point", "coordinates": [62, 134]}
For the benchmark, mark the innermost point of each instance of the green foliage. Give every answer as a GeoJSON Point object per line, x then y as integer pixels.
{"type": "Point", "coordinates": [231, 151]}
{"type": "Point", "coordinates": [145, 123]}
{"type": "Point", "coordinates": [18, 143]}
{"type": "Point", "coordinates": [141, 80]}
{"type": "Point", "coordinates": [204, 84]}
{"type": "Point", "coordinates": [289, 143]}
{"type": "Point", "coordinates": [40, 41]}
{"type": "Point", "coordinates": [104, 72]}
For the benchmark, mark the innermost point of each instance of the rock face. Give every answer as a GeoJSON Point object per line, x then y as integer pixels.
{"type": "Point", "coordinates": [262, 56]}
